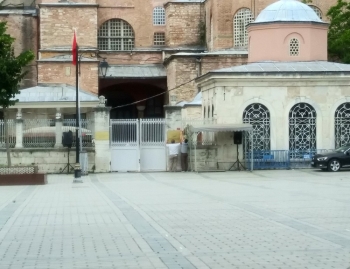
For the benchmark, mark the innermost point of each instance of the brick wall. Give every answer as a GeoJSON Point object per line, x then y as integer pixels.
{"type": "Point", "coordinates": [24, 30]}
{"type": "Point", "coordinates": [138, 13]}
{"type": "Point", "coordinates": [222, 13]}
{"type": "Point", "coordinates": [183, 26]}
{"type": "Point", "coordinates": [133, 57]}
{"type": "Point", "coordinates": [51, 72]}
{"type": "Point", "coordinates": [57, 24]}
{"type": "Point", "coordinates": [184, 69]}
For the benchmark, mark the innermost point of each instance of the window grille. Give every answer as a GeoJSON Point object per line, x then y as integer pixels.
{"type": "Point", "coordinates": [158, 16]}
{"type": "Point", "coordinates": [116, 35]}
{"type": "Point", "coordinates": [302, 130]}
{"type": "Point", "coordinates": [317, 11]}
{"type": "Point", "coordinates": [342, 125]}
{"type": "Point", "coordinates": [240, 22]}
{"type": "Point", "coordinates": [159, 39]}
{"type": "Point", "coordinates": [294, 47]}
{"type": "Point", "coordinates": [259, 117]}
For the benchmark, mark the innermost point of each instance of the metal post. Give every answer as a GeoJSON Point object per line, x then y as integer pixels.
{"type": "Point", "coordinates": [77, 169]}
{"type": "Point", "coordinates": [252, 150]}
{"type": "Point", "coordinates": [195, 154]}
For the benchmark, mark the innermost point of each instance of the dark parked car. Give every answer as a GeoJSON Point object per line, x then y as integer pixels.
{"type": "Point", "coordinates": [332, 161]}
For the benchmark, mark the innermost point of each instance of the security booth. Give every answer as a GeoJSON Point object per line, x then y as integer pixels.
{"type": "Point", "coordinates": [203, 137]}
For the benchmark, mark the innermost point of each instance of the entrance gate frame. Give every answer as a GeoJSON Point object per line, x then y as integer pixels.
{"type": "Point", "coordinates": [138, 145]}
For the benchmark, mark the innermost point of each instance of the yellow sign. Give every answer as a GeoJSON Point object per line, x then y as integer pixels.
{"type": "Point", "coordinates": [173, 135]}
{"type": "Point", "coordinates": [102, 136]}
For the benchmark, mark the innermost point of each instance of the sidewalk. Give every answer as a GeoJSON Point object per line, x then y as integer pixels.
{"type": "Point", "coordinates": [265, 219]}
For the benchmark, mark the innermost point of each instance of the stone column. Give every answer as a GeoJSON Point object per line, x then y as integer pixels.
{"type": "Point", "coordinates": [58, 132]}
{"type": "Point", "coordinates": [19, 129]}
{"type": "Point", "coordinates": [101, 137]}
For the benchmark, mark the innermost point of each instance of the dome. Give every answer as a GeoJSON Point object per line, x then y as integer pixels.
{"type": "Point", "coordinates": [288, 11]}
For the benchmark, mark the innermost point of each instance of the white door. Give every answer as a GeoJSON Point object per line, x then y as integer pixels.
{"type": "Point", "coordinates": [125, 145]}
{"type": "Point", "coordinates": [152, 145]}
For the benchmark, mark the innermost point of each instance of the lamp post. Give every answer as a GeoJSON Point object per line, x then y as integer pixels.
{"type": "Point", "coordinates": [77, 167]}
{"type": "Point", "coordinates": [103, 66]}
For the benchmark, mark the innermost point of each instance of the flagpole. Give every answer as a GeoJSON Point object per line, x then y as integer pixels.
{"type": "Point", "coordinates": [77, 170]}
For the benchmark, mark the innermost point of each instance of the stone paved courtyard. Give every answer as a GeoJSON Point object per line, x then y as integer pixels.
{"type": "Point", "coordinates": [265, 219]}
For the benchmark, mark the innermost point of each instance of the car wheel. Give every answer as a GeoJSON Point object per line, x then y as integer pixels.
{"type": "Point", "coordinates": [334, 165]}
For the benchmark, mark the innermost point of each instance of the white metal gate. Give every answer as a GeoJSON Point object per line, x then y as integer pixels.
{"type": "Point", "coordinates": [138, 145]}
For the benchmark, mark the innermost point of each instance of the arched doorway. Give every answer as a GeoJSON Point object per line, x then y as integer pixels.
{"type": "Point", "coordinates": [132, 100]}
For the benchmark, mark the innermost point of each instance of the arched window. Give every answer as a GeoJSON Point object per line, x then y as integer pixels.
{"type": "Point", "coordinates": [158, 16]}
{"type": "Point", "coordinates": [240, 22]}
{"type": "Point", "coordinates": [259, 116]}
{"type": "Point", "coordinates": [294, 47]}
{"type": "Point", "coordinates": [302, 130]}
{"type": "Point", "coordinates": [317, 11]}
{"type": "Point", "coordinates": [116, 34]}
{"type": "Point", "coordinates": [342, 125]}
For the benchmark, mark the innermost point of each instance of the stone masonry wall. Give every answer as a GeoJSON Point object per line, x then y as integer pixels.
{"type": "Point", "coordinates": [58, 72]}
{"type": "Point", "coordinates": [24, 29]}
{"type": "Point", "coordinates": [182, 70]}
{"type": "Point", "coordinates": [48, 160]}
{"type": "Point", "coordinates": [57, 25]}
{"type": "Point", "coordinates": [183, 26]}
{"type": "Point", "coordinates": [221, 13]}
{"type": "Point", "coordinates": [133, 57]}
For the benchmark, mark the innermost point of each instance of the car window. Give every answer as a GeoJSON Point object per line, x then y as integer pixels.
{"type": "Point", "coordinates": [342, 149]}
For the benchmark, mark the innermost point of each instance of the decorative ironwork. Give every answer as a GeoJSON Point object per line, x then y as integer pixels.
{"type": "Point", "coordinates": [342, 125]}
{"type": "Point", "coordinates": [18, 170]}
{"type": "Point", "coordinates": [86, 133]}
{"type": "Point", "coordinates": [39, 133]}
{"type": "Point", "coordinates": [240, 22]}
{"type": "Point", "coordinates": [258, 115]}
{"type": "Point", "coordinates": [11, 125]}
{"type": "Point", "coordinates": [294, 47]}
{"type": "Point", "coordinates": [302, 131]}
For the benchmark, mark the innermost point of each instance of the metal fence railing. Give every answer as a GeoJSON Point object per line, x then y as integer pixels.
{"type": "Point", "coordinates": [39, 133]}
{"type": "Point", "coordinates": [281, 159]}
{"type": "Point", "coordinates": [11, 124]}
{"type": "Point", "coordinates": [86, 131]}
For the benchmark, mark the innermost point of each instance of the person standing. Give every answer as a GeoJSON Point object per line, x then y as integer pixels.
{"type": "Point", "coordinates": [173, 155]}
{"type": "Point", "coordinates": [184, 155]}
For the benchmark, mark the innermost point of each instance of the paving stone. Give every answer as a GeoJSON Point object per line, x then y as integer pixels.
{"type": "Point", "coordinates": [265, 219]}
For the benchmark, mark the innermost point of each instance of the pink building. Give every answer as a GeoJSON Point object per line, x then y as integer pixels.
{"type": "Point", "coordinates": [287, 30]}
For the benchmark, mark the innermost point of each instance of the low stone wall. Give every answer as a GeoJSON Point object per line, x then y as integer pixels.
{"type": "Point", "coordinates": [48, 161]}
{"type": "Point", "coordinates": [206, 158]}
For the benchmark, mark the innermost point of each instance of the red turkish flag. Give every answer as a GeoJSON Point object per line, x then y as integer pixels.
{"type": "Point", "coordinates": [74, 49]}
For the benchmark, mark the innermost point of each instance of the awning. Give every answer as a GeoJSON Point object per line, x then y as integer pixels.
{"type": "Point", "coordinates": [136, 71]}
{"type": "Point", "coordinates": [222, 128]}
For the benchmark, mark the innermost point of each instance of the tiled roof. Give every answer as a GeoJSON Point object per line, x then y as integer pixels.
{"type": "Point", "coordinates": [136, 71]}
{"type": "Point", "coordinates": [54, 93]}
{"type": "Point", "coordinates": [290, 67]}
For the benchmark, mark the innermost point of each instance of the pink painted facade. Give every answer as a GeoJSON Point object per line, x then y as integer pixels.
{"type": "Point", "coordinates": [275, 41]}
